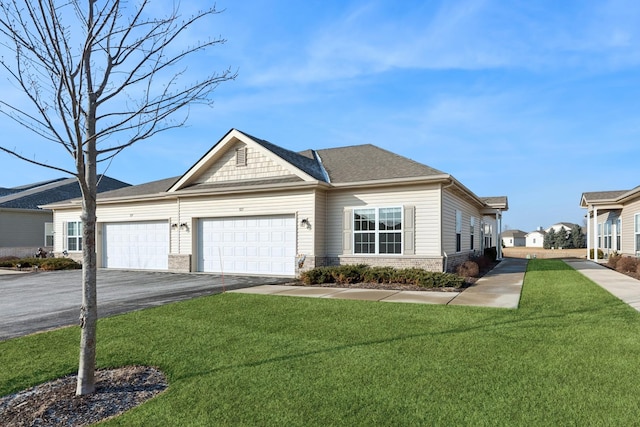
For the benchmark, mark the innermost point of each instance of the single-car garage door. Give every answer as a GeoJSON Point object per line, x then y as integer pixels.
{"type": "Point", "coordinates": [252, 245]}
{"type": "Point", "coordinates": [136, 245]}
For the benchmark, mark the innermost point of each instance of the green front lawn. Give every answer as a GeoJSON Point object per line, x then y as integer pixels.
{"type": "Point", "coordinates": [567, 356]}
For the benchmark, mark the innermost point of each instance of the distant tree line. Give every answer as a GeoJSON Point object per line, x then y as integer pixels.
{"type": "Point", "coordinates": [565, 239]}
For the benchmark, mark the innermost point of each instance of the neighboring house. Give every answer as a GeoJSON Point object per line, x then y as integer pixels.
{"type": "Point", "coordinates": [535, 239]}
{"type": "Point", "coordinates": [24, 226]}
{"type": "Point", "coordinates": [557, 227]}
{"type": "Point", "coordinates": [251, 207]}
{"type": "Point", "coordinates": [615, 217]}
{"type": "Point", "coordinates": [511, 238]}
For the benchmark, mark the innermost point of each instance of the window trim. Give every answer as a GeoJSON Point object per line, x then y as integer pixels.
{"type": "Point", "coordinates": [377, 232]}
{"type": "Point", "coordinates": [76, 237]}
{"type": "Point", "coordinates": [607, 234]}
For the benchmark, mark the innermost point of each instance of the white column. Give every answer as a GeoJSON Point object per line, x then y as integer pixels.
{"type": "Point", "coordinates": [595, 233]}
{"type": "Point", "coordinates": [499, 245]}
{"type": "Point", "coordinates": [589, 234]}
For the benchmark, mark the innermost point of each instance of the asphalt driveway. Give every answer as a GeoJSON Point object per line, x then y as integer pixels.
{"type": "Point", "coordinates": [33, 302]}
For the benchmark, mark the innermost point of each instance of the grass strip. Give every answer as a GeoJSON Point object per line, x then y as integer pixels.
{"type": "Point", "coordinates": [566, 356]}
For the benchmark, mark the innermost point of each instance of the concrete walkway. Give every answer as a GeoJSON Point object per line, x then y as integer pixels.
{"type": "Point", "coordinates": [499, 288]}
{"type": "Point", "coordinates": [619, 285]}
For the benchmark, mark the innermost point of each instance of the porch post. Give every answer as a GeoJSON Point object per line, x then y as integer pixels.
{"type": "Point", "coordinates": [499, 245]}
{"type": "Point", "coordinates": [595, 234]}
{"type": "Point", "coordinates": [589, 234]}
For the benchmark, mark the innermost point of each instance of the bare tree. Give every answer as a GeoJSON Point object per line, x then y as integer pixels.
{"type": "Point", "coordinates": [96, 78]}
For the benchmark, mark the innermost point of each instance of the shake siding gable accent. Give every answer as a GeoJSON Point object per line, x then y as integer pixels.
{"type": "Point", "coordinates": [258, 166]}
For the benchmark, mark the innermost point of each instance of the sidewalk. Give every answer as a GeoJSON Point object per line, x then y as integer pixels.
{"type": "Point", "coordinates": [499, 288]}
{"type": "Point", "coordinates": [619, 285]}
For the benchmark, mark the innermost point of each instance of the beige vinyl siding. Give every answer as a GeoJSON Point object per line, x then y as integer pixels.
{"type": "Point", "coordinates": [300, 203]}
{"type": "Point", "coordinates": [628, 226]}
{"type": "Point", "coordinates": [23, 228]}
{"type": "Point", "coordinates": [425, 199]}
{"type": "Point", "coordinates": [450, 204]}
{"type": "Point", "coordinates": [319, 225]}
{"type": "Point", "coordinates": [258, 166]}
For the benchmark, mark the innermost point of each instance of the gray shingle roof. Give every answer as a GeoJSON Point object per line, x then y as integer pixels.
{"type": "Point", "coordinates": [595, 196]}
{"type": "Point", "coordinates": [370, 163]}
{"type": "Point", "coordinates": [32, 196]}
{"type": "Point", "coordinates": [305, 163]}
{"type": "Point", "coordinates": [514, 233]}
{"type": "Point", "coordinates": [153, 187]}
{"type": "Point", "coordinates": [342, 165]}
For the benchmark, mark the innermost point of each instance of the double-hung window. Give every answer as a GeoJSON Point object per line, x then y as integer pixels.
{"type": "Point", "coordinates": [619, 234]}
{"type": "Point", "coordinates": [607, 235]}
{"type": "Point", "coordinates": [377, 231]}
{"type": "Point", "coordinates": [74, 236]}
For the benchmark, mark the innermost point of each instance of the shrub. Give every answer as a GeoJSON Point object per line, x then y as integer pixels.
{"type": "Point", "coordinates": [600, 254]}
{"type": "Point", "coordinates": [317, 276]}
{"type": "Point", "coordinates": [8, 261]}
{"type": "Point", "coordinates": [612, 262]}
{"type": "Point", "coordinates": [482, 261]}
{"type": "Point", "coordinates": [627, 265]}
{"type": "Point", "coordinates": [346, 274]}
{"type": "Point", "coordinates": [491, 253]}
{"type": "Point", "coordinates": [379, 275]}
{"type": "Point", "coordinates": [468, 269]}
{"type": "Point", "coordinates": [48, 264]}
{"type": "Point", "coordinates": [59, 264]}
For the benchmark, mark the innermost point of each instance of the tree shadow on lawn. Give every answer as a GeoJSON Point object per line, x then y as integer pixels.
{"type": "Point", "coordinates": [519, 319]}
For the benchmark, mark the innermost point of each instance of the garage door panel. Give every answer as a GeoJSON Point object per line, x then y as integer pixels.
{"type": "Point", "coordinates": [136, 245]}
{"type": "Point", "coordinates": [256, 245]}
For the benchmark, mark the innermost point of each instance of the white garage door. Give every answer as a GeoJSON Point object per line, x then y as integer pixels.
{"type": "Point", "coordinates": [136, 245]}
{"type": "Point", "coordinates": [252, 245]}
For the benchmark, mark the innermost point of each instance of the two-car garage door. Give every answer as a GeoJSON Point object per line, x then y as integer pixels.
{"type": "Point", "coordinates": [137, 245]}
{"type": "Point", "coordinates": [251, 245]}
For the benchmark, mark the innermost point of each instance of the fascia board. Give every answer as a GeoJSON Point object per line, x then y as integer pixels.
{"type": "Point", "coordinates": [435, 179]}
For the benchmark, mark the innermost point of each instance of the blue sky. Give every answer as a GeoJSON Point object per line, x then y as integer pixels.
{"type": "Point", "coordinates": [538, 101]}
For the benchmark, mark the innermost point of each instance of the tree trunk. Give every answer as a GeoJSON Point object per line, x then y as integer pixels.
{"type": "Point", "coordinates": [89, 309]}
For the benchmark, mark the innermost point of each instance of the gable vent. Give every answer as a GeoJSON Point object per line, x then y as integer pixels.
{"type": "Point", "coordinates": [241, 156]}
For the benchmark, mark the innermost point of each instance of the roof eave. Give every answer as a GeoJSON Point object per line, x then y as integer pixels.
{"type": "Point", "coordinates": [435, 179]}
{"type": "Point", "coordinates": [77, 203]}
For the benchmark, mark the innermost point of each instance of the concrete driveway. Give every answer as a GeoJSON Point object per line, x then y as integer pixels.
{"type": "Point", "coordinates": [33, 302]}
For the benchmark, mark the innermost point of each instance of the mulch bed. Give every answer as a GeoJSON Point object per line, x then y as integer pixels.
{"type": "Point", "coordinates": [55, 403]}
